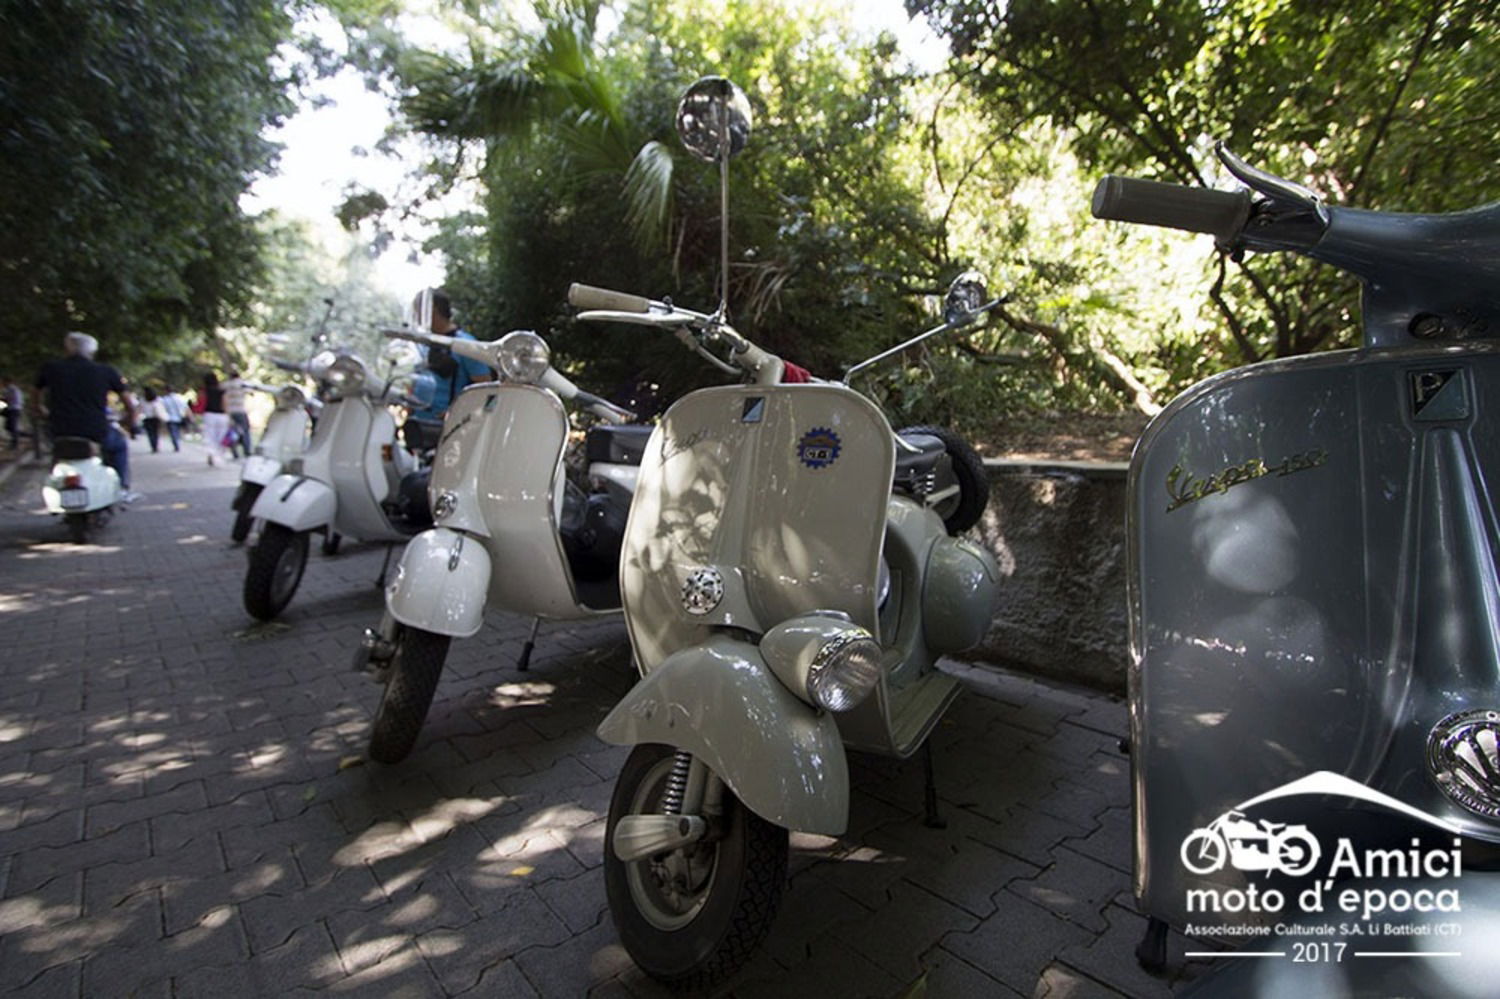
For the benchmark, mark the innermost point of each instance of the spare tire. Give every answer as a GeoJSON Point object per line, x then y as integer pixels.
{"type": "Point", "coordinates": [963, 512]}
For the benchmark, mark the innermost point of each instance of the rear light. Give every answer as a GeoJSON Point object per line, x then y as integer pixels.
{"type": "Point", "coordinates": [73, 482]}
{"type": "Point", "coordinates": [386, 453]}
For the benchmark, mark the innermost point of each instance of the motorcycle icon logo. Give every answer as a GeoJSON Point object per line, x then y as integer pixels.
{"type": "Point", "coordinates": [1250, 846]}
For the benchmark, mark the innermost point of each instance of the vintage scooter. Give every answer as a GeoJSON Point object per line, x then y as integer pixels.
{"type": "Point", "coordinates": [781, 603]}
{"type": "Point", "coordinates": [1315, 611]}
{"type": "Point", "coordinates": [284, 438]}
{"type": "Point", "coordinates": [347, 483]}
{"type": "Point", "coordinates": [80, 487]}
{"type": "Point", "coordinates": [512, 530]}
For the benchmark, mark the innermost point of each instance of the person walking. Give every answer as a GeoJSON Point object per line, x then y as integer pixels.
{"type": "Point", "coordinates": [216, 425]}
{"type": "Point", "coordinates": [77, 392]}
{"type": "Point", "coordinates": [174, 412]}
{"type": "Point", "coordinates": [12, 399]}
{"type": "Point", "coordinates": [451, 373]}
{"type": "Point", "coordinates": [152, 417]}
{"type": "Point", "coordinates": [235, 394]}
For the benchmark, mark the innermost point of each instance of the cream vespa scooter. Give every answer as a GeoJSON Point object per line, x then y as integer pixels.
{"type": "Point", "coordinates": [512, 531]}
{"type": "Point", "coordinates": [782, 601]}
{"type": "Point", "coordinates": [284, 438]}
{"type": "Point", "coordinates": [348, 481]}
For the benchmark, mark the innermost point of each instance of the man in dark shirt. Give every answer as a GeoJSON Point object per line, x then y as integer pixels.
{"type": "Point", "coordinates": [77, 389]}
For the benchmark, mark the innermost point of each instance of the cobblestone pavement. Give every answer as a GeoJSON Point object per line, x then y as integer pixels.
{"type": "Point", "coordinates": [185, 809]}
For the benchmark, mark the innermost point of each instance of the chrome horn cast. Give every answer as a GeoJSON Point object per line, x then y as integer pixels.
{"type": "Point", "coordinates": [702, 591]}
{"type": "Point", "coordinates": [1463, 754]}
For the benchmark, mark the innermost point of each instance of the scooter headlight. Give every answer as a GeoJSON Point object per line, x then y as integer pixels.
{"type": "Point", "coordinates": [523, 356]}
{"type": "Point", "coordinates": [826, 660]}
{"type": "Point", "coordinates": [290, 397]}
{"type": "Point", "coordinates": [346, 374]}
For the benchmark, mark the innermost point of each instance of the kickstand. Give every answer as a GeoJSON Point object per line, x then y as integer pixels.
{"type": "Point", "coordinates": [1151, 952]}
{"type": "Point", "coordinates": [932, 820]}
{"type": "Point", "coordinates": [380, 583]}
{"type": "Point", "coordinates": [524, 663]}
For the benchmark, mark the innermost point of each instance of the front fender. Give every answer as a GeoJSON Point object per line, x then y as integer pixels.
{"type": "Point", "coordinates": [441, 583]}
{"type": "Point", "coordinates": [719, 701]}
{"type": "Point", "coordinates": [296, 502]}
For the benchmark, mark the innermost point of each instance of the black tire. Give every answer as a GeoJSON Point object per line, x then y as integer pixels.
{"type": "Point", "coordinates": [331, 543]}
{"type": "Point", "coordinates": [746, 871]}
{"type": "Point", "coordinates": [973, 480]}
{"type": "Point", "coordinates": [243, 501]}
{"type": "Point", "coordinates": [78, 527]}
{"type": "Point", "coordinates": [413, 678]}
{"type": "Point", "coordinates": [276, 565]}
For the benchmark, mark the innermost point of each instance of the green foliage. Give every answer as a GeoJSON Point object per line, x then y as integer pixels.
{"type": "Point", "coordinates": [1393, 105]}
{"type": "Point", "coordinates": [127, 133]}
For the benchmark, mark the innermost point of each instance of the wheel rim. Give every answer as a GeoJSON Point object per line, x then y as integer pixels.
{"type": "Point", "coordinates": [669, 890]}
{"type": "Point", "coordinates": [288, 572]}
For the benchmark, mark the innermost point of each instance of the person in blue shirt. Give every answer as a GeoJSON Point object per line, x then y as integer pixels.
{"type": "Point", "coordinates": [450, 373]}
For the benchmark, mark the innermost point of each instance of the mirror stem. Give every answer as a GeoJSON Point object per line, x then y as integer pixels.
{"type": "Point", "coordinates": [724, 222]}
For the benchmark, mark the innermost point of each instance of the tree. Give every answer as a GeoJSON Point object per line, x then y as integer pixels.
{"type": "Point", "coordinates": [1393, 105]}
{"type": "Point", "coordinates": [128, 132]}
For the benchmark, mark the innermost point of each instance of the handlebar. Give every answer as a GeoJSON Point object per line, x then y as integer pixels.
{"type": "Point", "coordinates": [692, 328]}
{"type": "Point", "coordinates": [1222, 214]}
{"type": "Point", "coordinates": [585, 296]}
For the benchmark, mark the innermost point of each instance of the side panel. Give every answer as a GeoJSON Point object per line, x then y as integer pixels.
{"type": "Point", "coordinates": [501, 455]}
{"type": "Point", "coordinates": [1313, 587]}
{"type": "Point", "coordinates": [719, 701]}
{"type": "Point", "coordinates": [285, 435]}
{"type": "Point", "coordinates": [295, 502]}
{"type": "Point", "coordinates": [440, 583]}
{"type": "Point", "coordinates": [780, 490]}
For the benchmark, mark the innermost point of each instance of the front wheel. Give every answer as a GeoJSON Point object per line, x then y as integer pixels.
{"type": "Point", "coordinates": [410, 683]}
{"type": "Point", "coordinates": [691, 917]}
{"type": "Point", "coordinates": [243, 501]}
{"type": "Point", "coordinates": [276, 564]}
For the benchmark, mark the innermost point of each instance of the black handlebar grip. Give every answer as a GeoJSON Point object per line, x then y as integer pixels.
{"type": "Point", "coordinates": [1150, 202]}
{"type": "Point", "coordinates": [585, 296]}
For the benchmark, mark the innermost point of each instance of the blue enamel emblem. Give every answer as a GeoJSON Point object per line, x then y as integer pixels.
{"type": "Point", "coordinates": [818, 448]}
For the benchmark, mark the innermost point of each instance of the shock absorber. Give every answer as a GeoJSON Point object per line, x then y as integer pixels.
{"type": "Point", "coordinates": [671, 798]}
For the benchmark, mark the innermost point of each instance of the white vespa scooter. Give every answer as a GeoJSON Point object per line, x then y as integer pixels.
{"type": "Point", "coordinates": [512, 530]}
{"type": "Point", "coordinates": [81, 487]}
{"type": "Point", "coordinates": [284, 438]}
{"type": "Point", "coordinates": [348, 482]}
{"type": "Point", "coordinates": [782, 601]}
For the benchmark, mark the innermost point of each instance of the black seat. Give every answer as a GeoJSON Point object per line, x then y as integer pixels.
{"type": "Point", "coordinates": [616, 444]}
{"type": "Point", "coordinates": [913, 466]}
{"type": "Point", "coordinates": [74, 449]}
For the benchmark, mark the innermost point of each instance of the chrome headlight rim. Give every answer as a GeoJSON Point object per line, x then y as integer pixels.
{"type": "Point", "coordinates": [523, 356]}
{"type": "Point", "coordinates": [844, 671]}
{"type": "Point", "coordinates": [825, 659]}
{"type": "Point", "coordinates": [346, 375]}
{"type": "Point", "coordinates": [290, 397]}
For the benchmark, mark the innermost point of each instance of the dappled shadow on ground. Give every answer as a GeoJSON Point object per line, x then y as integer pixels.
{"type": "Point", "coordinates": [186, 806]}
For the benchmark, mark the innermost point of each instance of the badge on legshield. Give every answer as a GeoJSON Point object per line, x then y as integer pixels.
{"type": "Point", "coordinates": [818, 448]}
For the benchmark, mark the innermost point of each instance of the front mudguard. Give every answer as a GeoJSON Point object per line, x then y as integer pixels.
{"type": "Point", "coordinates": [719, 701]}
{"type": "Point", "coordinates": [441, 583]}
{"type": "Point", "coordinates": [296, 503]}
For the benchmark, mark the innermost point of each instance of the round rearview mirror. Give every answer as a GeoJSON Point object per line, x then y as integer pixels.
{"type": "Point", "coordinates": [713, 119]}
{"type": "Point", "coordinates": [966, 294]}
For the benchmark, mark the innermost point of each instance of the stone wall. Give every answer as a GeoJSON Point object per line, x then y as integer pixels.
{"type": "Point", "coordinates": [1058, 531]}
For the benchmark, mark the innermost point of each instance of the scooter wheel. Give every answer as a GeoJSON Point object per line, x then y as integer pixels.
{"type": "Point", "coordinates": [243, 501]}
{"type": "Point", "coordinates": [973, 481]}
{"type": "Point", "coordinates": [78, 527]}
{"type": "Point", "coordinates": [691, 917]}
{"type": "Point", "coordinates": [410, 683]}
{"type": "Point", "coordinates": [276, 565]}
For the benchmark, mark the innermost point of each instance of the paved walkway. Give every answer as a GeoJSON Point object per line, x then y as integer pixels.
{"type": "Point", "coordinates": [185, 808]}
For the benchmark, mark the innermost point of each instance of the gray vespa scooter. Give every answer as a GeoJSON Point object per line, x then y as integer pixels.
{"type": "Point", "coordinates": [511, 530]}
{"type": "Point", "coordinates": [782, 601]}
{"type": "Point", "coordinates": [1315, 617]}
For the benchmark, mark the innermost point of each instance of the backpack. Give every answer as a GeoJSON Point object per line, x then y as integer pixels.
{"type": "Point", "coordinates": [440, 361]}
